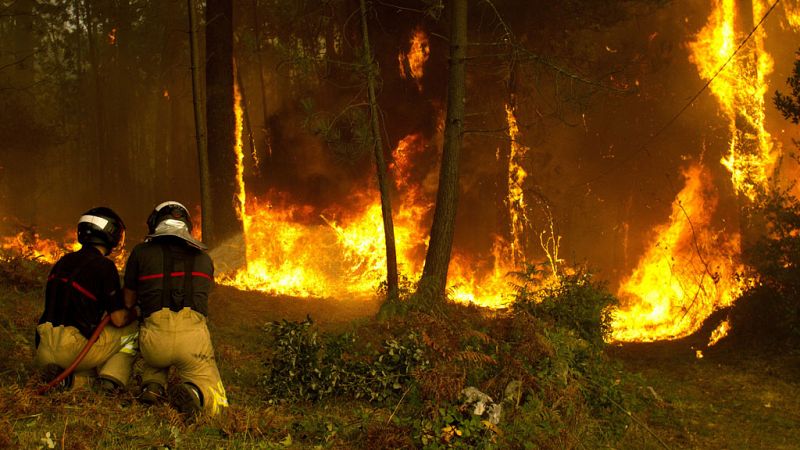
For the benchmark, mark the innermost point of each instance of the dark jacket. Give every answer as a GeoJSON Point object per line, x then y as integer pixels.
{"type": "Point", "coordinates": [82, 287]}
{"type": "Point", "coordinates": [157, 271]}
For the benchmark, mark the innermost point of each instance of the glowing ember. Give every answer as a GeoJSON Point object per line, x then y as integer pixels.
{"type": "Point", "coordinates": [686, 274]}
{"type": "Point", "coordinates": [412, 63]}
{"type": "Point", "coordinates": [720, 332]}
{"type": "Point", "coordinates": [740, 90]}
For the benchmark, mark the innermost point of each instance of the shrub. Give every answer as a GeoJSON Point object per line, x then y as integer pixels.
{"type": "Point", "coordinates": [574, 301]}
{"type": "Point", "coordinates": [771, 306]}
{"type": "Point", "coordinates": [310, 367]}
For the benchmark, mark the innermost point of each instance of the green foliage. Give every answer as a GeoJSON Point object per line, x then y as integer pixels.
{"type": "Point", "coordinates": [789, 105]}
{"type": "Point", "coordinates": [347, 134]}
{"type": "Point", "coordinates": [575, 301]}
{"type": "Point", "coordinates": [452, 427]}
{"type": "Point", "coordinates": [308, 367]}
{"type": "Point", "coordinates": [771, 306]}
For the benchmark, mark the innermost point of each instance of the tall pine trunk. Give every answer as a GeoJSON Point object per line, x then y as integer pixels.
{"type": "Point", "coordinates": [437, 260]}
{"type": "Point", "coordinates": [206, 207]}
{"type": "Point", "coordinates": [263, 84]}
{"type": "Point", "coordinates": [380, 164]}
{"type": "Point", "coordinates": [220, 122]}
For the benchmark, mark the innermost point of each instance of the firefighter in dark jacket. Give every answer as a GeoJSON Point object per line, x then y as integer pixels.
{"type": "Point", "coordinates": [83, 287]}
{"type": "Point", "coordinates": [169, 277]}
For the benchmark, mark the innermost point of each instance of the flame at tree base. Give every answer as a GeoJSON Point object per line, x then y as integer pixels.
{"type": "Point", "coordinates": [687, 273]}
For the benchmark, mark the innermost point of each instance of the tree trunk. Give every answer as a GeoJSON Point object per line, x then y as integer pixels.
{"type": "Point", "coordinates": [380, 164]}
{"type": "Point", "coordinates": [434, 275]}
{"type": "Point", "coordinates": [24, 46]}
{"type": "Point", "coordinates": [245, 112]}
{"type": "Point", "coordinates": [220, 121]}
{"type": "Point", "coordinates": [101, 142]}
{"type": "Point", "coordinates": [264, 112]}
{"type": "Point", "coordinates": [206, 207]}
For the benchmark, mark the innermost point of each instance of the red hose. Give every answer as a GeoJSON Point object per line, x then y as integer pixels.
{"type": "Point", "coordinates": [78, 358]}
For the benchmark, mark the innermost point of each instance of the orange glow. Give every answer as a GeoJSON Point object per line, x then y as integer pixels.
{"type": "Point", "coordinates": [112, 36]}
{"type": "Point", "coordinates": [687, 273]}
{"type": "Point", "coordinates": [413, 62]}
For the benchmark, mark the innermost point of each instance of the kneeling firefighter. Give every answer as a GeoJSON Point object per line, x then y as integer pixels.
{"type": "Point", "coordinates": [82, 288]}
{"type": "Point", "coordinates": [169, 276]}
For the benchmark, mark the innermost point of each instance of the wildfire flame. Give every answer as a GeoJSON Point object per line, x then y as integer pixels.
{"type": "Point", "coordinates": [32, 246]}
{"type": "Point", "coordinates": [740, 90]}
{"type": "Point", "coordinates": [687, 273]}
{"type": "Point", "coordinates": [412, 63]}
{"type": "Point", "coordinates": [300, 251]}
{"type": "Point", "coordinates": [517, 207]}
{"type": "Point", "coordinates": [720, 332]}
{"type": "Point", "coordinates": [680, 281]}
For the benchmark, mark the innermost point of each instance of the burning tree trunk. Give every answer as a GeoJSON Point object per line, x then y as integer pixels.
{"type": "Point", "coordinates": [434, 276]}
{"type": "Point", "coordinates": [200, 126]}
{"type": "Point", "coordinates": [380, 164]}
{"type": "Point", "coordinates": [220, 122]}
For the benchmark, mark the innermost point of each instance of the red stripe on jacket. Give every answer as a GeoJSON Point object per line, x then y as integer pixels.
{"type": "Point", "coordinates": [75, 285]}
{"type": "Point", "coordinates": [174, 274]}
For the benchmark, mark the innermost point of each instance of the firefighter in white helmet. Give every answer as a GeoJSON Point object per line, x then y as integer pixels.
{"type": "Point", "coordinates": [169, 277]}
{"type": "Point", "coordinates": [83, 286]}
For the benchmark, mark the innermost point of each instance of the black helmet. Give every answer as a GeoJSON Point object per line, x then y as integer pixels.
{"type": "Point", "coordinates": [101, 226]}
{"type": "Point", "coordinates": [168, 210]}
{"type": "Point", "coordinates": [172, 219]}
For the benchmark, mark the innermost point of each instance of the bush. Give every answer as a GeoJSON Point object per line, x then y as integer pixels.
{"type": "Point", "coordinates": [770, 308]}
{"type": "Point", "coordinates": [307, 366]}
{"type": "Point", "coordinates": [574, 301]}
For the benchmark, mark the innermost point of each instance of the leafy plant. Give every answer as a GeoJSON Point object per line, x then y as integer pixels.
{"type": "Point", "coordinates": [310, 367]}
{"type": "Point", "coordinates": [770, 307]}
{"type": "Point", "coordinates": [574, 300]}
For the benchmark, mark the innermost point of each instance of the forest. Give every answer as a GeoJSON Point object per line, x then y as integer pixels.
{"type": "Point", "coordinates": [433, 223]}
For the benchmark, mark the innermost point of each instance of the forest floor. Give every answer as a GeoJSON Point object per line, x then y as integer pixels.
{"type": "Point", "coordinates": [730, 399]}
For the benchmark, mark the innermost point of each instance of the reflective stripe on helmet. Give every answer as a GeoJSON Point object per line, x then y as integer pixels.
{"type": "Point", "coordinates": [98, 221]}
{"type": "Point", "coordinates": [167, 203]}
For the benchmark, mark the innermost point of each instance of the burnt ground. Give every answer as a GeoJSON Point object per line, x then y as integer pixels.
{"type": "Point", "coordinates": [738, 396]}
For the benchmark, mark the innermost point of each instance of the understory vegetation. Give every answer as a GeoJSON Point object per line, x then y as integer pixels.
{"type": "Point", "coordinates": [769, 310]}
{"type": "Point", "coordinates": [531, 376]}
{"type": "Point", "coordinates": [535, 375]}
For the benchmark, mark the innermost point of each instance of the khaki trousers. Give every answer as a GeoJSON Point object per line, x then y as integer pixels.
{"type": "Point", "coordinates": [181, 339]}
{"type": "Point", "coordinates": [111, 356]}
